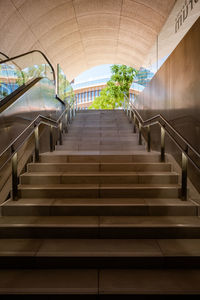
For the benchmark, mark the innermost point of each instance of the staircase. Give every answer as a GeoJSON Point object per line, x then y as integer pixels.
{"type": "Point", "coordinates": [102, 217]}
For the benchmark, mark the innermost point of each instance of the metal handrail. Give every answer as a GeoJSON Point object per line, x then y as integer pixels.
{"type": "Point", "coordinates": [35, 123]}
{"type": "Point", "coordinates": [145, 124]}
{"type": "Point", "coordinates": [165, 126]}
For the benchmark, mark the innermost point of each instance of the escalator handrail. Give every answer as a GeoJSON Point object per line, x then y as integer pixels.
{"type": "Point", "coordinates": [27, 53]}
{"type": "Point", "coordinates": [157, 120]}
{"type": "Point", "coordinates": [9, 97]}
{"type": "Point", "coordinates": [7, 57]}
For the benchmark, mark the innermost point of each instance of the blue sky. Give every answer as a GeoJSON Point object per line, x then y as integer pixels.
{"type": "Point", "coordinates": [95, 72]}
{"type": "Point", "coordinates": [103, 71]}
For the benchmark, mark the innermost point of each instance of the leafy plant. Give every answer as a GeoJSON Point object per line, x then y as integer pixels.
{"type": "Point", "coordinates": [112, 96]}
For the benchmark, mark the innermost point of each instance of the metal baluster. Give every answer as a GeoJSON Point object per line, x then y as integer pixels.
{"type": "Point", "coordinates": [140, 134]}
{"type": "Point", "coordinates": [184, 176]}
{"type": "Point", "coordinates": [51, 139]}
{"type": "Point", "coordinates": [162, 147]}
{"type": "Point", "coordinates": [66, 122]}
{"type": "Point", "coordinates": [36, 134]}
{"type": "Point", "coordinates": [148, 139]}
{"type": "Point", "coordinates": [14, 162]}
{"type": "Point", "coordinates": [60, 133]}
{"type": "Point", "coordinates": [134, 123]}
{"type": "Point", "coordinates": [130, 115]}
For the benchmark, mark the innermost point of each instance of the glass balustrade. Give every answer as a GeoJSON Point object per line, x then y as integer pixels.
{"type": "Point", "coordinates": [21, 70]}
{"type": "Point", "coordinates": [64, 89]}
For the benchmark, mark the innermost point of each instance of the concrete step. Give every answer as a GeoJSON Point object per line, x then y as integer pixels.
{"type": "Point", "coordinates": [98, 207]}
{"type": "Point", "coordinates": [99, 139]}
{"type": "Point", "coordinates": [99, 191]}
{"type": "Point", "coordinates": [51, 283]}
{"type": "Point", "coordinates": [94, 147]}
{"type": "Point", "coordinates": [97, 178]}
{"type": "Point", "coordinates": [99, 253]}
{"type": "Point", "coordinates": [106, 158]}
{"type": "Point", "coordinates": [115, 227]}
{"type": "Point", "coordinates": [99, 167]}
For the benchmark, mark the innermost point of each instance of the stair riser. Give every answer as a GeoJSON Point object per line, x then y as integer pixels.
{"type": "Point", "coordinates": [90, 147]}
{"type": "Point", "coordinates": [100, 193]}
{"type": "Point", "coordinates": [99, 262]}
{"type": "Point", "coordinates": [154, 179]}
{"type": "Point", "coordinates": [103, 232]}
{"type": "Point", "coordinates": [98, 158]}
{"type": "Point", "coordinates": [99, 168]}
{"type": "Point", "coordinates": [71, 210]}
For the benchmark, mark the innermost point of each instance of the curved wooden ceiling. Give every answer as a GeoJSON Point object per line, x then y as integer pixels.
{"type": "Point", "coordinates": [80, 34]}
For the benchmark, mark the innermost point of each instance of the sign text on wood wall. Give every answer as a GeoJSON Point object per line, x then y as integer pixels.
{"type": "Point", "coordinates": [184, 12]}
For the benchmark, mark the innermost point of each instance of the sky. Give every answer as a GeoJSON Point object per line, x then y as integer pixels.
{"type": "Point", "coordinates": [101, 71]}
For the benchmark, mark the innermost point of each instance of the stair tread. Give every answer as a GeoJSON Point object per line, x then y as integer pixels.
{"type": "Point", "coordinates": [101, 153]}
{"type": "Point", "coordinates": [106, 174]}
{"type": "Point", "coordinates": [53, 281]}
{"type": "Point", "coordinates": [100, 247]}
{"type": "Point", "coordinates": [99, 202]}
{"type": "Point", "coordinates": [99, 186]}
{"type": "Point", "coordinates": [149, 282]}
{"type": "Point", "coordinates": [101, 163]}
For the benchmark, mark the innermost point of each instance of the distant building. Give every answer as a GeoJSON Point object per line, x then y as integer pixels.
{"type": "Point", "coordinates": [143, 76]}
{"type": "Point", "coordinates": [86, 92]}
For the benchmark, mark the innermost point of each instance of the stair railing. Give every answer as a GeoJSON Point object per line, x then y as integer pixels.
{"type": "Point", "coordinates": [61, 124]}
{"type": "Point", "coordinates": [165, 127]}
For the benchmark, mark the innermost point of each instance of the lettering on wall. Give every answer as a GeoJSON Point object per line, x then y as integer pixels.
{"type": "Point", "coordinates": [184, 13]}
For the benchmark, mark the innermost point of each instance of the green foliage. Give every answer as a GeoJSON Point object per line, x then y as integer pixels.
{"type": "Point", "coordinates": [112, 96]}
{"type": "Point", "coordinates": [66, 92]}
{"type": "Point", "coordinates": [28, 73]}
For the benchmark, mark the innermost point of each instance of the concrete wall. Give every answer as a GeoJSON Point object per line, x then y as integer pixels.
{"type": "Point", "coordinates": [174, 92]}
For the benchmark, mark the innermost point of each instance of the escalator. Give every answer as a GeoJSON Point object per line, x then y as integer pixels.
{"type": "Point", "coordinates": [27, 96]}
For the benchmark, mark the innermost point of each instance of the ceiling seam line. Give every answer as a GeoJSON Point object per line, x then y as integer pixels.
{"type": "Point", "coordinates": [116, 52]}
{"type": "Point", "coordinates": [37, 40]}
{"type": "Point", "coordinates": [80, 33]}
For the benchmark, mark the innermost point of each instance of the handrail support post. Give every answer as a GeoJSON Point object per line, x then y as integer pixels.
{"type": "Point", "coordinates": [140, 134]}
{"type": "Point", "coordinates": [162, 147]}
{"type": "Point", "coordinates": [14, 162]}
{"type": "Point", "coordinates": [184, 177]}
{"type": "Point", "coordinates": [60, 133]}
{"type": "Point", "coordinates": [51, 139]}
{"type": "Point", "coordinates": [130, 115]}
{"type": "Point", "coordinates": [36, 134]}
{"type": "Point", "coordinates": [148, 139]}
{"type": "Point", "coordinates": [134, 123]}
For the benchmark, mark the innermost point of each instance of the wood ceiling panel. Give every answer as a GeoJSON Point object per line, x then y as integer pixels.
{"type": "Point", "coordinates": [87, 7]}
{"type": "Point", "coordinates": [59, 31]}
{"type": "Point", "coordinates": [98, 21]}
{"type": "Point", "coordinates": [107, 34]}
{"type": "Point", "coordinates": [39, 8]}
{"type": "Point", "coordinates": [67, 52]}
{"type": "Point", "coordinates": [53, 18]}
{"type": "Point", "coordinates": [143, 14]}
{"type": "Point", "coordinates": [66, 41]}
